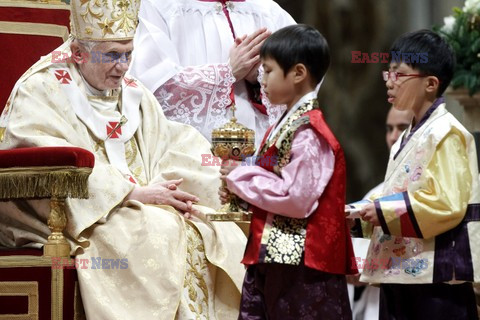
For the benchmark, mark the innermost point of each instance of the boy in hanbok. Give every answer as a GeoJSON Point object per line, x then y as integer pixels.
{"type": "Point", "coordinates": [425, 246]}
{"type": "Point", "coordinates": [299, 247]}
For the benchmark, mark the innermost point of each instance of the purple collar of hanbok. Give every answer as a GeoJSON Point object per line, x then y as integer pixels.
{"type": "Point", "coordinates": [425, 117]}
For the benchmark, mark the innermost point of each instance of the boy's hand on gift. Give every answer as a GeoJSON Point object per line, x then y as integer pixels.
{"type": "Point", "coordinates": [369, 214]}
{"type": "Point", "coordinates": [224, 195]}
{"type": "Point", "coordinates": [228, 166]}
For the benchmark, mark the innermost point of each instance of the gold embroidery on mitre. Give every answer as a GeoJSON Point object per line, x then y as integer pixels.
{"type": "Point", "coordinates": [104, 19]}
{"type": "Point", "coordinates": [127, 19]}
{"type": "Point", "coordinates": [90, 14]}
{"type": "Point", "coordinates": [106, 26]}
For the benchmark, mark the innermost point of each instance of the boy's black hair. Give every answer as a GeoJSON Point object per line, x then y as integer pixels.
{"type": "Point", "coordinates": [439, 58]}
{"type": "Point", "coordinates": [295, 44]}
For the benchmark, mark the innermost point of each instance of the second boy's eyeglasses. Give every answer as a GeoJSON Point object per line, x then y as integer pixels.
{"type": "Point", "coordinates": [393, 75]}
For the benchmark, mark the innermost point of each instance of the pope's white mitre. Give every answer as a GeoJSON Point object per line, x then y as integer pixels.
{"type": "Point", "coordinates": [104, 20]}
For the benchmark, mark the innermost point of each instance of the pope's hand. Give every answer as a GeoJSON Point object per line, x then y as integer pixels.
{"type": "Point", "coordinates": [166, 193]}
{"type": "Point", "coordinates": [244, 55]}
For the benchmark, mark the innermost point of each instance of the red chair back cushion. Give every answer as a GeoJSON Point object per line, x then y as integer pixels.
{"type": "Point", "coordinates": [28, 33]}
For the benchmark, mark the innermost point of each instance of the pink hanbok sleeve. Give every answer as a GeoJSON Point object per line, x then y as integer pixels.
{"type": "Point", "coordinates": [295, 194]}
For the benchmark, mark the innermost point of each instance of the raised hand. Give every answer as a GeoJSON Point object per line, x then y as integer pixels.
{"type": "Point", "coordinates": [252, 76]}
{"type": "Point", "coordinates": [244, 55]}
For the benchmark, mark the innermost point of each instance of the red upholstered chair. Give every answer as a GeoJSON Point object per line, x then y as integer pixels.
{"type": "Point", "coordinates": [32, 283]}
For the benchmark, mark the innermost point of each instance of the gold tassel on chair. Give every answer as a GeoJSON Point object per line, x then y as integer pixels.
{"type": "Point", "coordinates": [44, 182]}
{"type": "Point", "coordinates": [55, 183]}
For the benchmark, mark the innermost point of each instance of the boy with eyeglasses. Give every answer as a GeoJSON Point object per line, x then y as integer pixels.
{"type": "Point", "coordinates": [425, 248]}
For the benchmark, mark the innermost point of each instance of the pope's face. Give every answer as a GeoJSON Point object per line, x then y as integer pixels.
{"type": "Point", "coordinates": [107, 64]}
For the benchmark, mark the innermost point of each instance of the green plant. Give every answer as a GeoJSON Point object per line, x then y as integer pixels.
{"type": "Point", "coordinates": [462, 31]}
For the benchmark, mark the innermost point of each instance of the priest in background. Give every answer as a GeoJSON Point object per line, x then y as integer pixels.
{"type": "Point", "coordinates": [191, 53]}
{"type": "Point", "coordinates": [148, 190]}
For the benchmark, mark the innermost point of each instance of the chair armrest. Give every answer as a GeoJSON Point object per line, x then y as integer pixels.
{"type": "Point", "coordinates": [46, 157]}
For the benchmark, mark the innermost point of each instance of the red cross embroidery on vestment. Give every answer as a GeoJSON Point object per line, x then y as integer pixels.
{"type": "Point", "coordinates": [63, 76]}
{"type": "Point", "coordinates": [114, 130]}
